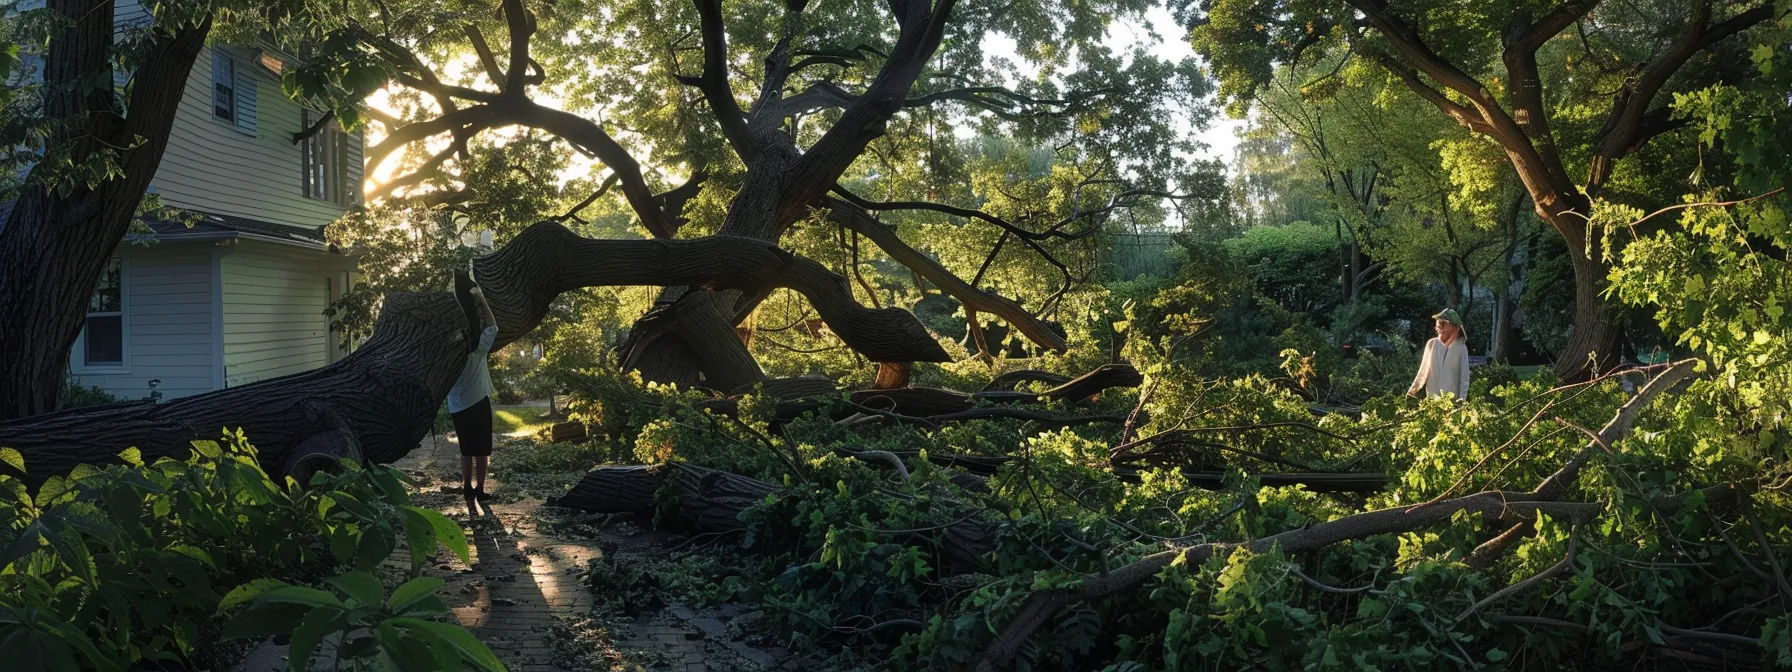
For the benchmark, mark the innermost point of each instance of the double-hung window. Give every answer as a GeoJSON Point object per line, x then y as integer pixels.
{"type": "Point", "coordinates": [324, 162]}
{"type": "Point", "coordinates": [224, 88]}
{"type": "Point", "coordinates": [233, 92]}
{"type": "Point", "coordinates": [102, 343]}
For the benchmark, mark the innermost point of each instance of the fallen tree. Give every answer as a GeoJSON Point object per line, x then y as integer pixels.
{"type": "Point", "coordinates": [383, 397]}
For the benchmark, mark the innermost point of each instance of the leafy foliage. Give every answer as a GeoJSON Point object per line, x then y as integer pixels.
{"type": "Point", "coordinates": [114, 567]}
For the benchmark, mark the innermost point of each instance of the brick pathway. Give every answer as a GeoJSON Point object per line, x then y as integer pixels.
{"type": "Point", "coordinates": [523, 596]}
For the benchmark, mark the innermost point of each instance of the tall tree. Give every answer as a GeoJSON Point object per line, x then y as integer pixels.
{"type": "Point", "coordinates": [1525, 73]}
{"type": "Point", "coordinates": [95, 161]}
{"type": "Point", "coordinates": [754, 117]}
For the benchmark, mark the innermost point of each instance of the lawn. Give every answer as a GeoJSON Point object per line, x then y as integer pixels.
{"type": "Point", "coordinates": [519, 420]}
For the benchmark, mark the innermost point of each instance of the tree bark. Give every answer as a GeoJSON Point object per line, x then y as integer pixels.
{"type": "Point", "coordinates": [1592, 346]}
{"type": "Point", "coordinates": [386, 394]}
{"type": "Point", "coordinates": [54, 245]}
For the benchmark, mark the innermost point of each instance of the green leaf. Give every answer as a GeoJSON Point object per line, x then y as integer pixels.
{"type": "Point", "coordinates": [360, 586]}
{"type": "Point", "coordinates": [208, 449]}
{"type": "Point", "coordinates": [354, 507]}
{"type": "Point", "coordinates": [471, 649]}
{"type": "Point", "coordinates": [318, 624]}
{"type": "Point", "coordinates": [244, 593]}
{"type": "Point", "coordinates": [263, 619]}
{"type": "Point", "coordinates": [19, 646]}
{"type": "Point", "coordinates": [376, 545]}
{"type": "Point", "coordinates": [29, 540]}
{"type": "Point", "coordinates": [417, 651]}
{"type": "Point", "coordinates": [301, 595]}
{"type": "Point", "coordinates": [13, 459]}
{"type": "Point", "coordinates": [195, 553]}
{"type": "Point", "coordinates": [411, 592]}
{"type": "Point", "coordinates": [389, 484]}
{"type": "Point", "coordinates": [420, 535]}
{"type": "Point", "coordinates": [448, 532]}
{"type": "Point", "coordinates": [132, 456]}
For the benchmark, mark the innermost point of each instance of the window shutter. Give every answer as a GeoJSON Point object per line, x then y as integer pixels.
{"type": "Point", "coordinates": [339, 167]}
{"type": "Point", "coordinates": [245, 105]}
{"type": "Point", "coordinates": [305, 154]}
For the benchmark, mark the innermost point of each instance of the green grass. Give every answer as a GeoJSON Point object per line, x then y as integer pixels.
{"type": "Point", "coordinates": [516, 419]}
{"type": "Point", "coordinates": [1527, 372]}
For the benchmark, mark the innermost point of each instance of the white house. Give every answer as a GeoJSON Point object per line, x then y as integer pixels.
{"type": "Point", "coordinates": [238, 296]}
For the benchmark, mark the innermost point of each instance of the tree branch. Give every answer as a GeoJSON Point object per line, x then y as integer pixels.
{"type": "Point", "coordinates": [1518, 507]}
{"type": "Point", "coordinates": [522, 279]}
{"type": "Point", "coordinates": [815, 173]}
{"type": "Point", "coordinates": [315, 128]}
{"type": "Point", "coordinates": [486, 59]}
{"type": "Point", "coordinates": [522, 26]}
{"type": "Point", "coordinates": [714, 81]}
{"type": "Point", "coordinates": [857, 220]}
{"type": "Point", "coordinates": [1625, 126]}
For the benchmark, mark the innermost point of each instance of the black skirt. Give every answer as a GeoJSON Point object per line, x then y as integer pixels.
{"type": "Point", "coordinates": [474, 425]}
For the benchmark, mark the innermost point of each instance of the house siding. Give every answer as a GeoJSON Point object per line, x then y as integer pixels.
{"type": "Point", "coordinates": [168, 324]}
{"type": "Point", "coordinates": [274, 300]}
{"type": "Point", "coordinates": [213, 166]}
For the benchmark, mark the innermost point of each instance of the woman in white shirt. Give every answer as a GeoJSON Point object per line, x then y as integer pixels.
{"type": "Point", "coordinates": [469, 401]}
{"type": "Point", "coordinates": [1444, 369]}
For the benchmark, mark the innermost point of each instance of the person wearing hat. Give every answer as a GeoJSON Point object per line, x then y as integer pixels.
{"type": "Point", "coordinates": [1444, 369]}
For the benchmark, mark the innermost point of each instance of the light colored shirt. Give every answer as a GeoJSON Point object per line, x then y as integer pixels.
{"type": "Point", "coordinates": [475, 383]}
{"type": "Point", "coordinates": [1444, 370]}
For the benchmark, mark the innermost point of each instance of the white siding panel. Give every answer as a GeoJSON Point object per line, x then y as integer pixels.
{"type": "Point", "coordinates": [214, 167]}
{"type": "Point", "coordinates": [129, 14]}
{"type": "Point", "coordinates": [274, 300]}
{"type": "Point", "coordinates": [169, 331]}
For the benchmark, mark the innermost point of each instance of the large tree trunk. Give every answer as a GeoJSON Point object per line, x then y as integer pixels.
{"type": "Point", "coordinates": [384, 396]}
{"type": "Point", "coordinates": [53, 246]}
{"type": "Point", "coordinates": [1593, 343]}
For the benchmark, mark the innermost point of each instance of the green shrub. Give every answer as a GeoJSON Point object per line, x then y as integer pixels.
{"type": "Point", "coordinates": [76, 395]}
{"type": "Point", "coordinates": [123, 566]}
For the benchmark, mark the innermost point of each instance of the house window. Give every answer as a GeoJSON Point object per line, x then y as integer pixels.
{"type": "Point", "coordinates": [325, 162]}
{"type": "Point", "coordinates": [102, 344]}
{"type": "Point", "coordinates": [223, 88]}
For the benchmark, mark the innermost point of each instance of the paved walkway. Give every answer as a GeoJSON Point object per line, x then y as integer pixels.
{"type": "Point", "coordinates": [523, 594]}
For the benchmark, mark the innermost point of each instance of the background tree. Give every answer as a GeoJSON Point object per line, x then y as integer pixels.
{"type": "Point", "coordinates": [1511, 71]}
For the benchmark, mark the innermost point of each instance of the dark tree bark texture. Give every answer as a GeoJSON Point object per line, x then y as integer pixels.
{"type": "Point", "coordinates": [54, 244]}
{"type": "Point", "coordinates": [383, 397]}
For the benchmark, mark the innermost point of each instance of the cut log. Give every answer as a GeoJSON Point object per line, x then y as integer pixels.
{"type": "Point", "coordinates": [892, 375]}
{"type": "Point", "coordinates": [567, 432]}
{"type": "Point", "coordinates": [613, 490]}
